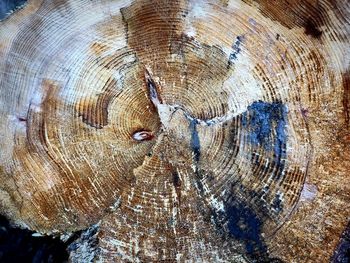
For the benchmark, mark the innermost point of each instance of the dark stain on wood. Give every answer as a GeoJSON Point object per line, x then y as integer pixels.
{"type": "Point", "coordinates": [311, 29]}
{"type": "Point", "coordinates": [176, 179]}
{"type": "Point", "coordinates": [277, 203]}
{"type": "Point", "coordinates": [22, 119]}
{"type": "Point", "coordinates": [152, 89]}
{"type": "Point", "coordinates": [245, 225]}
{"type": "Point", "coordinates": [346, 97]}
{"type": "Point", "coordinates": [242, 222]}
{"type": "Point", "coordinates": [195, 143]}
{"type": "Point", "coordinates": [266, 125]}
{"type": "Point", "coordinates": [233, 136]}
{"type": "Point", "coordinates": [295, 13]}
{"type": "Point", "coordinates": [177, 184]}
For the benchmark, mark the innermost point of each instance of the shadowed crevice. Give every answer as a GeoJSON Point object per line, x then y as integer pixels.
{"type": "Point", "coordinates": [22, 245]}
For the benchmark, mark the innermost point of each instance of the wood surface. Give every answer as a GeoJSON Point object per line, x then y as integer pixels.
{"type": "Point", "coordinates": [178, 131]}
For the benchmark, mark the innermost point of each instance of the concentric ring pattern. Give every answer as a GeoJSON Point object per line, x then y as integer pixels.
{"type": "Point", "coordinates": [180, 127]}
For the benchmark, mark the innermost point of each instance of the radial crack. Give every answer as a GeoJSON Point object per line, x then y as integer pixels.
{"type": "Point", "coordinates": [213, 121]}
{"type": "Point", "coordinates": [152, 89]}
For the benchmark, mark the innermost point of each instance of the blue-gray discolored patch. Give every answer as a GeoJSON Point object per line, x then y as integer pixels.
{"type": "Point", "coordinates": [236, 49]}
{"type": "Point", "coordinates": [245, 225]}
{"type": "Point", "coordinates": [8, 6]}
{"type": "Point", "coordinates": [342, 252]}
{"type": "Point", "coordinates": [266, 125]}
{"type": "Point", "coordinates": [277, 203]}
{"type": "Point", "coordinates": [195, 143]}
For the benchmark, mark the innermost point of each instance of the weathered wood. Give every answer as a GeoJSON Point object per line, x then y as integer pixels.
{"type": "Point", "coordinates": [214, 131]}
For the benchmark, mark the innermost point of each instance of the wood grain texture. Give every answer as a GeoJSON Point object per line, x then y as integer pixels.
{"type": "Point", "coordinates": [178, 131]}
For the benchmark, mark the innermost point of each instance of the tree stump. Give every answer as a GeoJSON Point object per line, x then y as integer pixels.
{"type": "Point", "coordinates": [178, 131]}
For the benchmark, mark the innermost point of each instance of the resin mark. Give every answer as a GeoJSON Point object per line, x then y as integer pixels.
{"type": "Point", "coordinates": [143, 135]}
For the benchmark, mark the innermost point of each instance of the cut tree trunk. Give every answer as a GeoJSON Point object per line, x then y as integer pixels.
{"type": "Point", "coordinates": [188, 131]}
